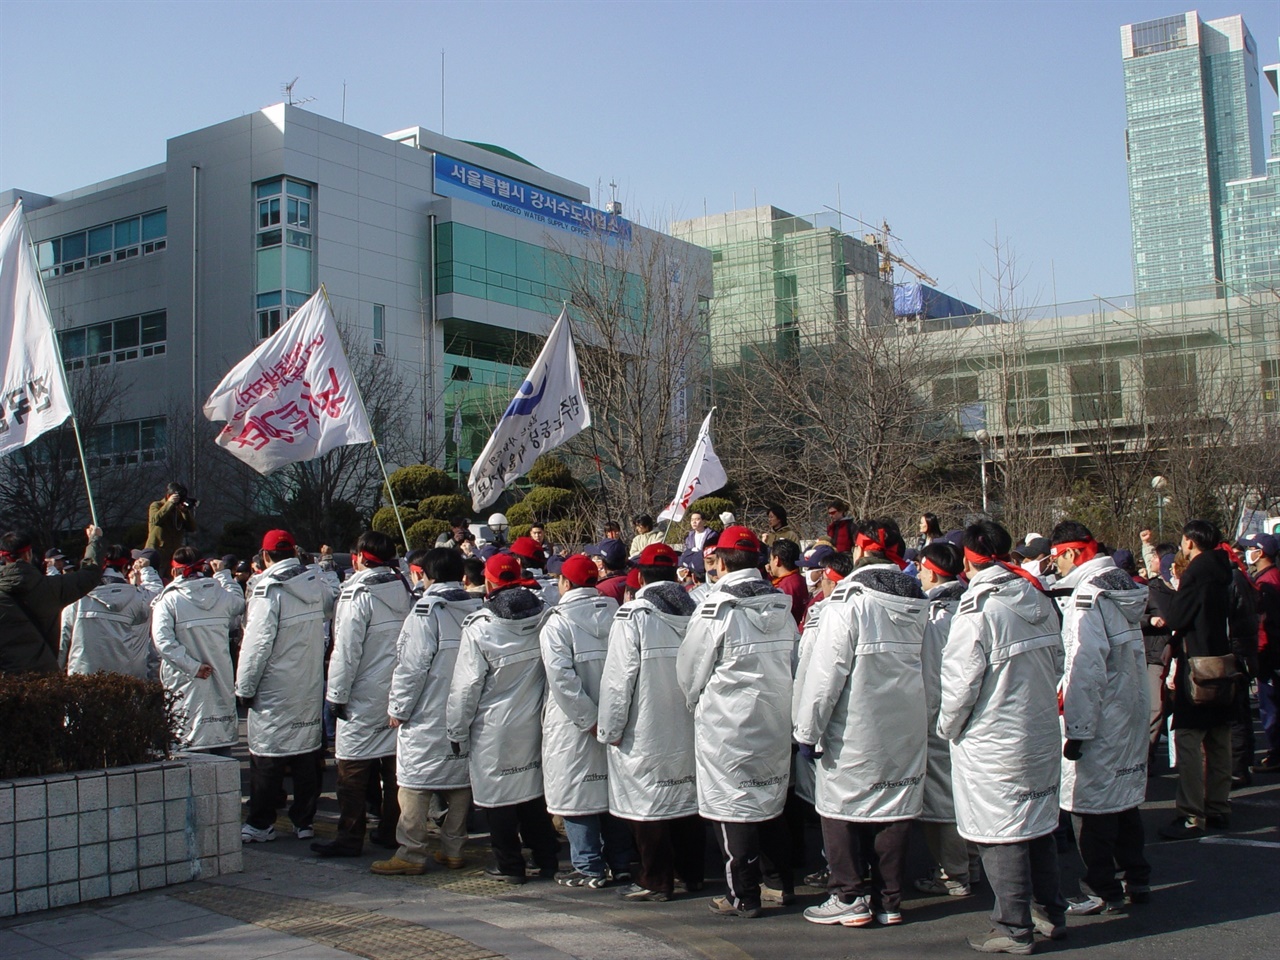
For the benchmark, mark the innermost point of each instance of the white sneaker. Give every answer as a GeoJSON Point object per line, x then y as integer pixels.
{"type": "Point", "coordinates": [834, 910]}
{"type": "Point", "coordinates": [889, 919]}
{"type": "Point", "coordinates": [304, 833]}
{"type": "Point", "coordinates": [250, 834]}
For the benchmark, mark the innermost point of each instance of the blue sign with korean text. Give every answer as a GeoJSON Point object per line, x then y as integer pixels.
{"type": "Point", "coordinates": [466, 181]}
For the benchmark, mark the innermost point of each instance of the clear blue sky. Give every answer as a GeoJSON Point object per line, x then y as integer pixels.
{"type": "Point", "coordinates": [949, 119]}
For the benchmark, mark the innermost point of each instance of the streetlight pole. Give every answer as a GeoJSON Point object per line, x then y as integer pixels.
{"type": "Point", "coordinates": [1158, 484]}
{"type": "Point", "coordinates": [981, 436]}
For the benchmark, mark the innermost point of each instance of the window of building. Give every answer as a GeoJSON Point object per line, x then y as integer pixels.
{"type": "Point", "coordinates": [1096, 396]}
{"type": "Point", "coordinates": [127, 442]}
{"type": "Point", "coordinates": [379, 330]}
{"type": "Point", "coordinates": [1156, 36]}
{"type": "Point", "coordinates": [957, 399]}
{"type": "Point", "coordinates": [1170, 382]}
{"type": "Point", "coordinates": [107, 243]}
{"type": "Point", "coordinates": [118, 341]}
{"type": "Point", "coordinates": [284, 240]}
{"type": "Point", "coordinates": [1027, 400]}
{"type": "Point", "coordinates": [1271, 386]}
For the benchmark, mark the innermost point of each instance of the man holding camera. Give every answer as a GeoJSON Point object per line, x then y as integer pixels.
{"type": "Point", "coordinates": [169, 521]}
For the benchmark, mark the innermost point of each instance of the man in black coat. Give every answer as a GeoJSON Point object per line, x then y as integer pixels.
{"type": "Point", "coordinates": [31, 603]}
{"type": "Point", "coordinates": [1198, 613]}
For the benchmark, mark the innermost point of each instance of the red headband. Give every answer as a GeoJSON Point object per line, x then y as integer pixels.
{"type": "Point", "coordinates": [8, 557]}
{"type": "Point", "coordinates": [863, 542]}
{"type": "Point", "coordinates": [417, 569]}
{"type": "Point", "coordinates": [830, 573]}
{"type": "Point", "coordinates": [979, 559]}
{"type": "Point", "coordinates": [1233, 556]}
{"type": "Point", "coordinates": [371, 561]}
{"type": "Point", "coordinates": [1088, 549]}
{"type": "Point", "coordinates": [185, 571]}
{"type": "Point", "coordinates": [930, 565]}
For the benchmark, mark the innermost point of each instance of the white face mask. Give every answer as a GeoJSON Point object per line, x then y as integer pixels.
{"type": "Point", "coordinates": [1252, 557]}
{"type": "Point", "coordinates": [1031, 566]}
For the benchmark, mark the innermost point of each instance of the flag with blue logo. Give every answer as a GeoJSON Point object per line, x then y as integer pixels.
{"type": "Point", "coordinates": [547, 410]}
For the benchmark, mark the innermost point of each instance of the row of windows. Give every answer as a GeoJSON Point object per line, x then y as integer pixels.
{"type": "Point", "coordinates": [128, 338]}
{"type": "Point", "coordinates": [275, 307]}
{"type": "Point", "coordinates": [1096, 389]}
{"type": "Point", "coordinates": [108, 243]}
{"type": "Point", "coordinates": [127, 442]}
{"type": "Point", "coordinates": [284, 239]}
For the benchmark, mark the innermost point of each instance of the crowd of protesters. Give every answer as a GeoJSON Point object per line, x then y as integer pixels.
{"type": "Point", "coordinates": [739, 683]}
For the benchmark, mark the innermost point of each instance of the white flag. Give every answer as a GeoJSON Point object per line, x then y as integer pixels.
{"type": "Point", "coordinates": [703, 474]}
{"type": "Point", "coordinates": [33, 388]}
{"type": "Point", "coordinates": [547, 410]}
{"type": "Point", "coordinates": [293, 398]}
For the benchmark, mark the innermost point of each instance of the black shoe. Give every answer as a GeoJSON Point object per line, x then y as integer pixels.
{"type": "Point", "coordinates": [1241, 781]}
{"type": "Point", "coordinates": [378, 841]}
{"type": "Point", "coordinates": [1137, 892]}
{"type": "Point", "coordinates": [1183, 828]}
{"type": "Point", "coordinates": [1218, 821]}
{"type": "Point", "coordinates": [331, 848]}
{"type": "Point", "coordinates": [1266, 765]}
{"type": "Point", "coordinates": [536, 872]}
{"type": "Point", "coordinates": [493, 873]}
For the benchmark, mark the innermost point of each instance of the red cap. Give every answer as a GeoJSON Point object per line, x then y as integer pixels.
{"type": "Point", "coordinates": [633, 579]}
{"type": "Point", "coordinates": [502, 569]}
{"type": "Point", "coordinates": [530, 549]}
{"type": "Point", "coordinates": [738, 538]}
{"type": "Point", "coordinates": [658, 555]}
{"type": "Point", "coordinates": [278, 540]}
{"type": "Point", "coordinates": [580, 570]}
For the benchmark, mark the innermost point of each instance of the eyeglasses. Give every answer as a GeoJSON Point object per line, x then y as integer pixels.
{"type": "Point", "coordinates": [833, 513]}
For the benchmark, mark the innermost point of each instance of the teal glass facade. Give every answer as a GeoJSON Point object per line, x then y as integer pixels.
{"type": "Point", "coordinates": [1192, 126]}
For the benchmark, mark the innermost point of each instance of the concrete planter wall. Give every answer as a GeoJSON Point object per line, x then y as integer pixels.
{"type": "Point", "coordinates": [101, 833]}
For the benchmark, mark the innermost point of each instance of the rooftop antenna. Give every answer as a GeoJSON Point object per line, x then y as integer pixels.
{"type": "Point", "coordinates": [287, 90]}
{"type": "Point", "coordinates": [442, 91]}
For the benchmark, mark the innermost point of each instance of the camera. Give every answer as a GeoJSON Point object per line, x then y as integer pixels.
{"type": "Point", "coordinates": [189, 502]}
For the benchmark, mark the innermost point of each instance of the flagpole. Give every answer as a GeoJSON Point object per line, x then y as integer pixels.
{"type": "Point", "coordinates": [62, 374]}
{"type": "Point", "coordinates": [604, 491]}
{"type": "Point", "coordinates": [373, 440]}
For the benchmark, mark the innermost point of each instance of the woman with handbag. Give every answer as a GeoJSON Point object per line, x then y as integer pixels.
{"type": "Point", "coordinates": [1204, 679]}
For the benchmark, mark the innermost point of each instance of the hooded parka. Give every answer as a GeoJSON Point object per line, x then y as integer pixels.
{"type": "Point", "coordinates": [804, 775]}
{"type": "Point", "coordinates": [425, 654]}
{"type": "Point", "coordinates": [191, 626]}
{"type": "Point", "coordinates": [651, 769]}
{"type": "Point", "coordinates": [1104, 689]}
{"type": "Point", "coordinates": [100, 631]}
{"type": "Point", "coordinates": [939, 806]}
{"type": "Point", "coordinates": [999, 709]}
{"type": "Point", "coordinates": [31, 606]}
{"type": "Point", "coordinates": [735, 668]}
{"type": "Point", "coordinates": [367, 618]}
{"type": "Point", "coordinates": [575, 641]}
{"type": "Point", "coordinates": [495, 699]}
{"type": "Point", "coordinates": [281, 667]}
{"type": "Point", "coordinates": [861, 695]}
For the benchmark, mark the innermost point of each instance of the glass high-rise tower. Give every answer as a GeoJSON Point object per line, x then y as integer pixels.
{"type": "Point", "coordinates": [1193, 124]}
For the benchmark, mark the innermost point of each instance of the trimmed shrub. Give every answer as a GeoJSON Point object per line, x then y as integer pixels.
{"type": "Point", "coordinates": [549, 471]}
{"type": "Point", "coordinates": [417, 482]}
{"type": "Point", "coordinates": [519, 514]}
{"type": "Point", "coordinates": [711, 508]}
{"type": "Point", "coordinates": [445, 507]}
{"type": "Point", "coordinates": [547, 503]}
{"type": "Point", "coordinates": [517, 529]}
{"type": "Point", "coordinates": [422, 535]}
{"type": "Point", "coordinates": [60, 724]}
{"type": "Point", "coordinates": [384, 520]}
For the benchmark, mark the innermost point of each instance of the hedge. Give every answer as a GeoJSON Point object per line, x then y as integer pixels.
{"type": "Point", "coordinates": [445, 506]}
{"type": "Point", "coordinates": [422, 535]}
{"type": "Point", "coordinates": [548, 471]}
{"type": "Point", "coordinates": [417, 482]}
{"type": "Point", "coordinates": [58, 724]}
{"type": "Point", "coordinates": [384, 520]}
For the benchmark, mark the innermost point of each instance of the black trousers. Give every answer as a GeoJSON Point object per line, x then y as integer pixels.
{"type": "Point", "coordinates": [742, 845]}
{"type": "Point", "coordinates": [520, 825]}
{"type": "Point", "coordinates": [668, 849]}
{"type": "Point", "coordinates": [266, 784]}
{"type": "Point", "coordinates": [1242, 745]}
{"type": "Point", "coordinates": [854, 847]}
{"type": "Point", "coordinates": [1111, 844]}
{"type": "Point", "coordinates": [353, 791]}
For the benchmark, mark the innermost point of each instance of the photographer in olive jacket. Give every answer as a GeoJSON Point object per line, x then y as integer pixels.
{"type": "Point", "coordinates": [169, 521]}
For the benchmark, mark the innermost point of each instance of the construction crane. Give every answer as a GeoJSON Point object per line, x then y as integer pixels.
{"type": "Point", "coordinates": [888, 258]}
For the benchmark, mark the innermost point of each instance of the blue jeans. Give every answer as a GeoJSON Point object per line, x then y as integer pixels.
{"type": "Point", "coordinates": [595, 838]}
{"type": "Point", "coordinates": [1269, 708]}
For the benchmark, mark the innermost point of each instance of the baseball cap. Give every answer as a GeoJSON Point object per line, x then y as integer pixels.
{"type": "Point", "coordinates": [151, 556]}
{"type": "Point", "coordinates": [633, 579]}
{"type": "Point", "coordinates": [658, 555]}
{"type": "Point", "coordinates": [612, 552]}
{"type": "Point", "coordinates": [54, 554]}
{"type": "Point", "coordinates": [580, 570]}
{"type": "Point", "coordinates": [1265, 542]}
{"type": "Point", "coordinates": [530, 549]}
{"type": "Point", "coordinates": [738, 538]}
{"type": "Point", "coordinates": [502, 568]}
{"type": "Point", "coordinates": [1033, 549]}
{"type": "Point", "coordinates": [229, 561]}
{"type": "Point", "coordinates": [692, 560]}
{"type": "Point", "coordinates": [815, 557]}
{"type": "Point", "coordinates": [276, 541]}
